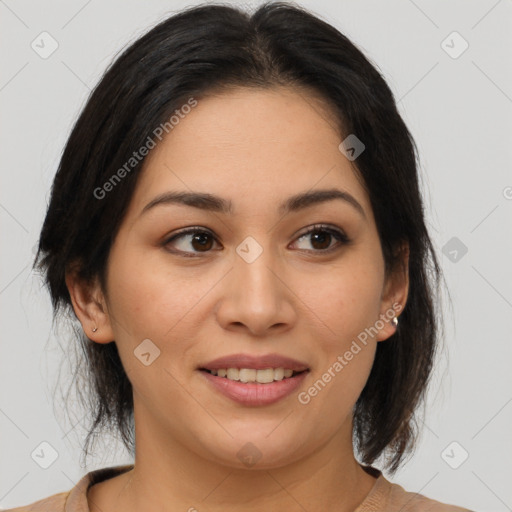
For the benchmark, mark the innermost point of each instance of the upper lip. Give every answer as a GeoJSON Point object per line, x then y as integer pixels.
{"type": "Point", "coordinates": [257, 362]}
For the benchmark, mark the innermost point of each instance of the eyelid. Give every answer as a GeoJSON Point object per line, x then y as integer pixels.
{"type": "Point", "coordinates": [322, 227]}
{"type": "Point", "coordinates": [186, 231]}
{"type": "Point", "coordinates": [338, 233]}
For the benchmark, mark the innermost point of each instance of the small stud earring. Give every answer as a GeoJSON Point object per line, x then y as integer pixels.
{"type": "Point", "coordinates": [95, 329]}
{"type": "Point", "coordinates": [395, 321]}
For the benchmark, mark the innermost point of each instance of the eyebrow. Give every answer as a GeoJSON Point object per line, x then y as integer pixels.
{"type": "Point", "coordinates": [210, 202]}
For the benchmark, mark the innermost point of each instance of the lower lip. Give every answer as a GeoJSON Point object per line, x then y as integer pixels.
{"type": "Point", "coordinates": [252, 393]}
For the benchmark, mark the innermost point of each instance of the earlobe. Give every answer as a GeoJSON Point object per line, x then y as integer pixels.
{"type": "Point", "coordinates": [395, 294]}
{"type": "Point", "coordinates": [389, 322]}
{"type": "Point", "coordinates": [90, 308]}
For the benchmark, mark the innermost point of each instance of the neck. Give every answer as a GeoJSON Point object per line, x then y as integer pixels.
{"type": "Point", "coordinates": [169, 476]}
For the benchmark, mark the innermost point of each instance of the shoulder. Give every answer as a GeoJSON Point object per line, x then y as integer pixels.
{"type": "Point", "coordinates": [389, 497]}
{"type": "Point", "coordinates": [415, 502]}
{"type": "Point", "coordinates": [74, 500]}
{"type": "Point", "coordinates": [54, 503]}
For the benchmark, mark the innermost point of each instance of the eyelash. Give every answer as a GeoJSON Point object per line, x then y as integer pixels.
{"type": "Point", "coordinates": [337, 234]}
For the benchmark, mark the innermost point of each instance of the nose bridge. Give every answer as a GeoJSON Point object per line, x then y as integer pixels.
{"type": "Point", "coordinates": [253, 272]}
{"type": "Point", "coordinates": [257, 297]}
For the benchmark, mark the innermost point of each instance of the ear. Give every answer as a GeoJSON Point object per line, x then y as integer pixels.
{"type": "Point", "coordinates": [90, 307]}
{"type": "Point", "coordinates": [394, 295]}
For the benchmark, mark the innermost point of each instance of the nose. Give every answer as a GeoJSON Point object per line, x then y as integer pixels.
{"type": "Point", "coordinates": [256, 297]}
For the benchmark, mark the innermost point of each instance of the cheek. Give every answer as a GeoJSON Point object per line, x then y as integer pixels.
{"type": "Point", "coordinates": [342, 308]}
{"type": "Point", "coordinates": [343, 304]}
{"type": "Point", "coordinates": [150, 295]}
{"type": "Point", "coordinates": [158, 302]}
{"type": "Point", "coordinates": [146, 306]}
{"type": "Point", "coordinates": [346, 298]}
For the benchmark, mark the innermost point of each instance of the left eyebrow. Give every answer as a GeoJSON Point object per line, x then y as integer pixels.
{"type": "Point", "coordinates": [310, 198]}
{"type": "Point", "coordinates": [210, 202]}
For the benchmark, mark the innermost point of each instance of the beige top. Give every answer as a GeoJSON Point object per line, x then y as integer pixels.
{"type": "Point", "coordinates": [383, 497]}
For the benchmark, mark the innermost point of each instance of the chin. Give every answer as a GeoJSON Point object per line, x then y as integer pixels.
{"type": "Point", "coordinates": [256, 452]}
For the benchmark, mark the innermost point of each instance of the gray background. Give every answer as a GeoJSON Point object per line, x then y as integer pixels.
{"type": "Point", "coordinates": [459, 111]}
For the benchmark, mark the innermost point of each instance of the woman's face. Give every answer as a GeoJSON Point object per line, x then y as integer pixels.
{"type": "Point", "coordinates": [255, 280]}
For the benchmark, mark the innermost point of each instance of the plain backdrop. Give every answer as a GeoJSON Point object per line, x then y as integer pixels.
{"type": "Point", "coordinates": [448, 65]}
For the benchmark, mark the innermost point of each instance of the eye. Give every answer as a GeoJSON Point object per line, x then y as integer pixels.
{"type": "Point", "coordinates": [196, 238]}
{"type": "Point", "coordinates": [321, 238]}
{"type": "Point", "coordinates": [192, 241]}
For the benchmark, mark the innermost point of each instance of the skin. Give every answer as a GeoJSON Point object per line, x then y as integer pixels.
{"type": "Point", "coordinates": [255, 148]}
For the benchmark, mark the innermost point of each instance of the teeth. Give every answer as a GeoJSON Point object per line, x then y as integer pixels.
{"type": "Point", "coordinates": [251, 375]}
{"type": "Point", "coordinates": [232, 374]}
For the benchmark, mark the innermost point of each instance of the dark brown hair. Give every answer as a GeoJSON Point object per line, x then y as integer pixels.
{"type": "Point", "coordinates": [190, 54]}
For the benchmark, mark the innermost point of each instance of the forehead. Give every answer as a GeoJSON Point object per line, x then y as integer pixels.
{"type": "Point", "coordinates": [253, 147]}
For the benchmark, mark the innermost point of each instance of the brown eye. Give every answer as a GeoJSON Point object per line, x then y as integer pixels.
{"type": "Point", "coordinates": [321, 239]}
{"type": "Point", "coordinates": [191, 241]}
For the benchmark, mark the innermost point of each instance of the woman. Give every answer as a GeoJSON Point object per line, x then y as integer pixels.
{"type": "Point", "coordinates": [236, 223]}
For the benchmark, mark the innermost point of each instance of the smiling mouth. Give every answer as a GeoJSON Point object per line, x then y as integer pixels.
{"type": "Point", "coordinates": [251, 375]}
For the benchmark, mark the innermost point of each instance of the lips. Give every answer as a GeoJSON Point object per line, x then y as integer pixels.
{"type": "Point", "coordinates": [255, 362]}
{"type": "Point", "coordinates": [254, 394]}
